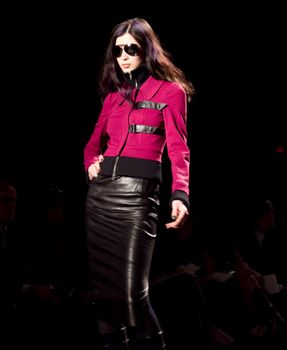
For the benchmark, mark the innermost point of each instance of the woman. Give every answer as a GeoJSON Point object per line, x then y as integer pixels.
{"type": "Point", "coordinates": [145, 106]}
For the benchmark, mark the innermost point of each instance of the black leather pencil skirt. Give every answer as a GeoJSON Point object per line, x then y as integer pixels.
{"type": "Point", "coordinates": [121, 223]}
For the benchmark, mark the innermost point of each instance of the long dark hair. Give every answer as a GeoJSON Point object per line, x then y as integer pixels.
{"type": "Point", "coordinates": [156, 59]}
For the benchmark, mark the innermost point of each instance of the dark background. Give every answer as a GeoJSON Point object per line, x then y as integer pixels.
{"type": "Point", "coordinates": [234, 55]}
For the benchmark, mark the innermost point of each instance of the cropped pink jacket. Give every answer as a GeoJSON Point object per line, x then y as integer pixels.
{"type": "Point", "coordinates": [160, 106]}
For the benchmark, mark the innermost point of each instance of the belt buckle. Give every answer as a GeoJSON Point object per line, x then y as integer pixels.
{"type": "Point", "coordinates": [132, 128]}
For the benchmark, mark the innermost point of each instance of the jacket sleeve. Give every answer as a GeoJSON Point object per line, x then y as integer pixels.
{"type": "Point", "coordinates": [93, 148]}
{"type": "Point", "coordinates": [175, 119]}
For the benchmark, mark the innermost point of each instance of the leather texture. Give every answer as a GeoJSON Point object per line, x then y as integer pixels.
{"type": "Point", "coordinates": [121, 222]}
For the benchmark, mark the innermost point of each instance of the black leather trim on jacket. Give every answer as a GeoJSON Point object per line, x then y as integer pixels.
{"type": "Point", "coordinates": [146, 129]}
{"type": "Point", "coordinates": [150, 104]}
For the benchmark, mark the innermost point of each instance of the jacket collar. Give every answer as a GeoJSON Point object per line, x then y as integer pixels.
{"type": "Point", "coordinates": [148, 89]}
{"type": "Point", "coordinates": [137, 77]}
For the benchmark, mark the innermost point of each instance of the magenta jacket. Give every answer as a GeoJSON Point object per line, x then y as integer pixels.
{"type": "Point", "coordinates": [161, 105]}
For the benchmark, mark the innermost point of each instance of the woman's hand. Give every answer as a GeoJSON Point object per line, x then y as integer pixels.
{"type": "Point", "coordinates": [95, 168]}
{"type": "Point", "coordinates": [179, 214]}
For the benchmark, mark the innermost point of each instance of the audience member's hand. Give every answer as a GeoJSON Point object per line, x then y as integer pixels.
{"type": "Point", "coordinates": [246, 273]}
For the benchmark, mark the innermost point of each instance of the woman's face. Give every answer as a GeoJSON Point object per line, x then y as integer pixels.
{"type": "Point", "coordinates": [127, 52]}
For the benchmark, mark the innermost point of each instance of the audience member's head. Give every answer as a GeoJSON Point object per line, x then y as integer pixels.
{"type": "Point", "coordinates": [264, 215]}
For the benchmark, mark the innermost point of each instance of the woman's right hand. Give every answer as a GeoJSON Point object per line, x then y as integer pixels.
{"type": "Point", "coordinates": [95, 168]}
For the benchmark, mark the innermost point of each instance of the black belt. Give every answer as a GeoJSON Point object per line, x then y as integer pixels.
{"type": "Point", "coordinates": [146, 129]}
{"type": "Point", "coordinates": [150, 104]}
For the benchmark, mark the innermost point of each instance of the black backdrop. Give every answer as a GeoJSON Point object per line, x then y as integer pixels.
{"type": "Point", "coordinates": [235, 56]}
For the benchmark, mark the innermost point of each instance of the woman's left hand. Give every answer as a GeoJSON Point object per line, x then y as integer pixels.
{"type": "Point", "coordinates": [179, 214]}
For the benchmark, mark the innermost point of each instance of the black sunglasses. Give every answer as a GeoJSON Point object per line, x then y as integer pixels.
{"type": "Point", "coordinates": [130, 49]}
